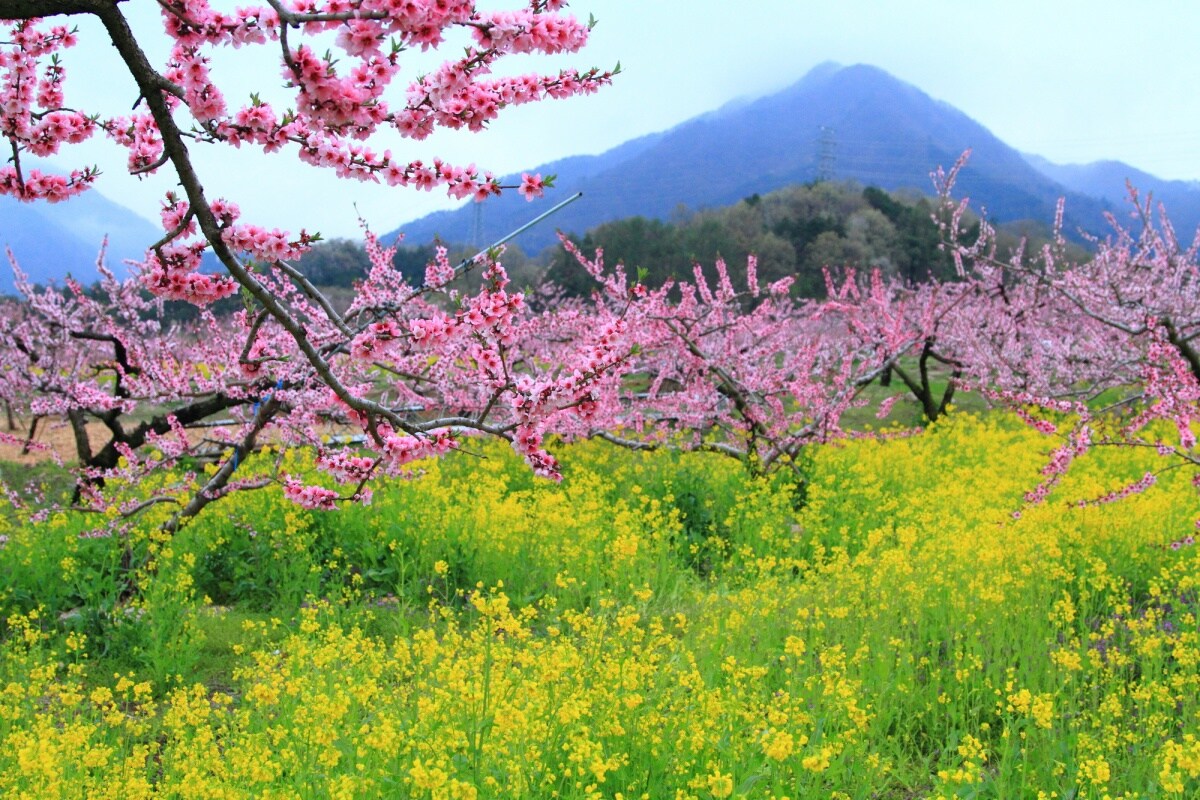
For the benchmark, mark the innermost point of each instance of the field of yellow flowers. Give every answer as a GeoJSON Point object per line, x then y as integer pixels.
{"type": "Point", "coordinates": [656, 626]}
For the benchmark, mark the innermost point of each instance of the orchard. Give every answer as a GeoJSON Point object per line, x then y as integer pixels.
{"type": "Point", "coordinates": [451, 539]}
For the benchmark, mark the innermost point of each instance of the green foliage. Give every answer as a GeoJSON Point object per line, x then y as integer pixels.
{"type": "Point", "coordinates": [877, 624]}
{"type": "Point", "coordinates": [641, 244]}
{"type": "Point", "coordinates": [338, 262]}
{"type": "Point", "coordinates": [46, 479]}
{"type": "Point", "coordinates": [798, 231]}
{"type": "Point", "coordinates": [916, 252]}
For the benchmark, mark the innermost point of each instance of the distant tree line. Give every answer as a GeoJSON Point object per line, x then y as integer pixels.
{"type": "Point", "coordinates": [796, 231]}
{"type": "Point", "coordinates": [339, 263]}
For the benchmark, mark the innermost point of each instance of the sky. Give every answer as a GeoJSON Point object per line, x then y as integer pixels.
{"type": "Point", "coordinates": [1068, 80]}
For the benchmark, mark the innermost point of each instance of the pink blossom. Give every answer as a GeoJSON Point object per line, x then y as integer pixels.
{"type": "Point", "coordinates": [532, 186]}
{"type": "Point", "coordinates": [308, 496]}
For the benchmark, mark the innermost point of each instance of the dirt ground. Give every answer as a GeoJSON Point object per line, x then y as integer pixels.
{"type": "Point", "coordinates": [55, 436]}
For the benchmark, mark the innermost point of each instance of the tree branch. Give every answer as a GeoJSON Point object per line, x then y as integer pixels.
{"type": "Point", "coordinates": [150, 83]}
{"type": "Point", "coordinates": [33, 9]}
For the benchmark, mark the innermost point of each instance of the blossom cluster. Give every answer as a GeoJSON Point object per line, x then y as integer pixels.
{"type": "Point", "coordinates": [340, 105]}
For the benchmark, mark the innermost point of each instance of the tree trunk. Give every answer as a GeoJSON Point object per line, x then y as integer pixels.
{"type": "Point", "coordinates": [32, 432]}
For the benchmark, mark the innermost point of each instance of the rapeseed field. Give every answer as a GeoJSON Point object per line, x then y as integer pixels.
{"type": "Point", "coordinates": [893, 622]}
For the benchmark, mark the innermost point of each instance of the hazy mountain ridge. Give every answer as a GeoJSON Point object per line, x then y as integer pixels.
{"type": "Point", "coordinates": [52, 240]}
{"type": "Point", "coordinates": [884, 132]}
{"type": "Point", "coordinates": [1108, 180]}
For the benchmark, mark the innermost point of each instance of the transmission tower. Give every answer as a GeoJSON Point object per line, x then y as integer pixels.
{"type": "Point", "coordinates": [826, 154]}
{"type": "Point", "coordinates": [477, 227]}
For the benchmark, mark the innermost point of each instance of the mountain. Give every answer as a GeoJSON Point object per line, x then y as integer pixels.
{"type": "Point", "coordinates": [51, 240]}
{"type": "Point", "coordinates": [1107, 180]}
{"type": "Point", "coordinates": [846, 123]}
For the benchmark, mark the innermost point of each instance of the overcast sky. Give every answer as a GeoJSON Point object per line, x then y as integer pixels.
{"type": "Point", "coordinates": [1072, 81]}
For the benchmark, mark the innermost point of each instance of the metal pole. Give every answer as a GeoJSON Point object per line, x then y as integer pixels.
{"type": "Point", "coordinates": [520, 230]}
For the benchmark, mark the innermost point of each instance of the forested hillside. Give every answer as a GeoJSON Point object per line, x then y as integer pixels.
{"type": "Point", "coordinates": [843, 123]}
{"type": "Point", "coordinates": [796, 231]}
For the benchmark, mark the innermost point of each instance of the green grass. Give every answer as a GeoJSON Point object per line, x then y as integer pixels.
{"type": "Point", "coordinates": [52, 482]}
{"type": "Point", "coordinates": [658, 623]}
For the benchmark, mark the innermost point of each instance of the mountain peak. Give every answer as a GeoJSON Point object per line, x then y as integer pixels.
{"type": "Point", "coordinates": [53, 240]}
{"type": "Point", "coordinates": [852, 75]}
{"type": "Point", "coordinates": [821, 72]}
{"type": "Point", "coordinates": [857, 123]}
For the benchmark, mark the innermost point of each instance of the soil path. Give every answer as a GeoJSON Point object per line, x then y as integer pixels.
{"type": "Point", "coordinates": [53, 437]}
